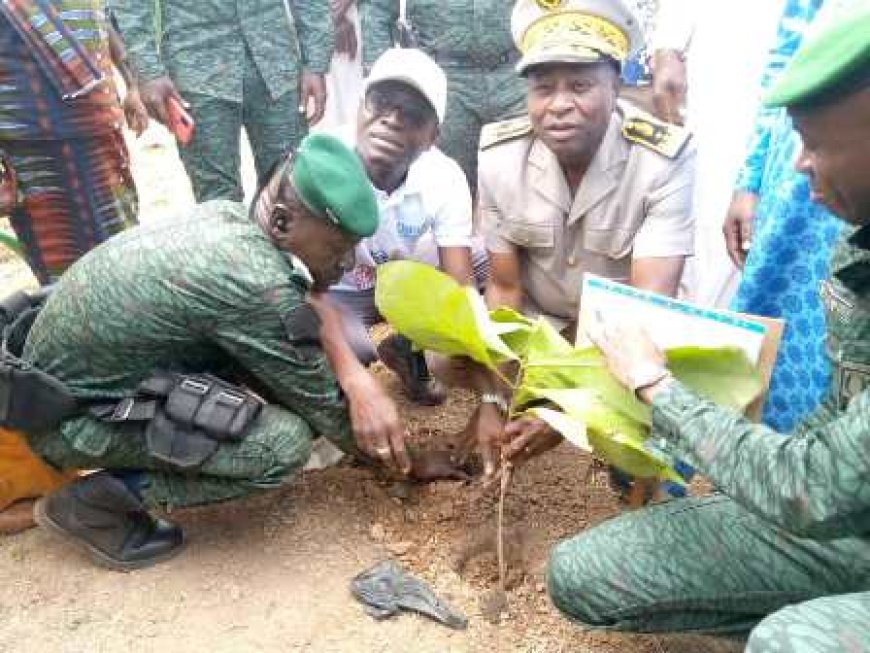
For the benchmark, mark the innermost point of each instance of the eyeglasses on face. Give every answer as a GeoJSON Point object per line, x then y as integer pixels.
{"type": "Point", "coordinates": [413, 109]}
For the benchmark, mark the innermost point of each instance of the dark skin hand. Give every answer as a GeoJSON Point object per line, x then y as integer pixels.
{"type": "Point", "coordinates": [669, 85]}
{"type": "Point", "coordinates": [528, 437]}
{"type": "Point", "coordinates": [134, 111]}
{"type": "Point", "coordinates": [737, 227]}
{"type": "Point", "coordinates": [312, 96]}
{"type": "Point", "coordinates": [376, 425]}
{"type": "Point", "coordinates": [155, 94]}
{"type": "Point", "coordinates": [345, 38]}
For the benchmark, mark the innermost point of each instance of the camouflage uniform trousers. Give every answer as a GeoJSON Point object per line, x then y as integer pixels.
{"type": "Point", "coordinates": [276, 447]}
{"type": "Point", "coordinates": [708, 565]}
{"type": "Point", "coordinates": [475, 97]}
{"type": "Point", "coordinates": [213, 157]}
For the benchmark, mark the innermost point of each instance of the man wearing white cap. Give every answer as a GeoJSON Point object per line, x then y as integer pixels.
{"type": "Point", "coordinates": [581, 184]}
{"type": "Point", "coordinates": [425, 214]}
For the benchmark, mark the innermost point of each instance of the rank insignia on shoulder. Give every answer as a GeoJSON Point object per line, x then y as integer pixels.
{"type": "Point", "coordinates": [504, 131]}
{"type": "Point", "coordinates": [664, 138]}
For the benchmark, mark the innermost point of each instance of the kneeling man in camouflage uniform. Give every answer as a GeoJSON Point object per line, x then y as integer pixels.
{"type": "Point", "coordinates": [787, 543]}
{"type": "Point", "coordinates": [136, 329]}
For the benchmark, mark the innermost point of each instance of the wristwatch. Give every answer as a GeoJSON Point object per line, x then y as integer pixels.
{"type": "Point", "coordinates": [495, 399]}
{"type": "Point", "coordinates": [645, 375]}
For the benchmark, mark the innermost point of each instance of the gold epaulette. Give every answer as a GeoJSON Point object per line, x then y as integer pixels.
{"type": "Point", "coordinates": [503, 131]}
{"type": "Point", "coordinates": [662, 137]}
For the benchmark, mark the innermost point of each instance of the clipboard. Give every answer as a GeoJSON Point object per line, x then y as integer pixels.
{"type": "Point", "coordinates": [675, 322]}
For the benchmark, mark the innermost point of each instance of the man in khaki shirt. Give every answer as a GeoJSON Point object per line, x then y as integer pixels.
{"type": "Point", "coordinates": [582, 184]}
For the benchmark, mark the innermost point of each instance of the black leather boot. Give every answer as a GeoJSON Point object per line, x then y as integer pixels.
{"type": "Point", "coordinates": [103, 517]}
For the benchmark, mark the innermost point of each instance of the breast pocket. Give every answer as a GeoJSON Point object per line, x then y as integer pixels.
{"type": "Point", "coordinates": [530, 229]}
{"type": "Point", "coordinates": [615, 244]}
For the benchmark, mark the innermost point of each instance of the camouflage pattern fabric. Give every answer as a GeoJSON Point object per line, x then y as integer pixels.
{"type": "Point", "coordinates": [834, 624]}
{"type": "Point", "coordinates": [208, 293]}
{"type": "Point", "coordinates": [476, 97]}
{"type": "Point", "coordinates": [795, 528]}
{"type": "Point", "coordinates": [213, 157]}
{"type": "Point", "coordinates": [238, 64]}
{"type": "Point", "coordinates": [471, 40]}
{"type": "Point", "coordinates": [277, 446]}
{"type": "Point", "coordinates": [203, 46]}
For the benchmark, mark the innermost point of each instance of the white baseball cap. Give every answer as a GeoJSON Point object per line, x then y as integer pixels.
{"type": "Point", "coordinates": [415, 68]}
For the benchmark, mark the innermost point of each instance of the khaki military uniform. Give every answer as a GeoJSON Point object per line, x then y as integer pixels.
{"type": "Point", "coordinates": [634, 202]}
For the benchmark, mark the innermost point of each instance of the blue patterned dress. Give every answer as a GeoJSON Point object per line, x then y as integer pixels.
{"type": "Point", "coordinates": [791, 244]}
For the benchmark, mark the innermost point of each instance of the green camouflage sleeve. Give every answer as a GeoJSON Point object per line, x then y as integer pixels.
{"type": "Point", "coordinates": [274, 338]}
{"type": "Point", "coordinates": [316, 34]}
{"type": "Point", "coordinates": [812, 483]}
{"type": "Point", "coordinates": [377, 18]}
{"type": "Point", "coordinates": [136, 22]}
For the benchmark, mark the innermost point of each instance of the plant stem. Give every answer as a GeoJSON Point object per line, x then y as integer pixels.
{"type": "Point", "coordinates": [502, 567]}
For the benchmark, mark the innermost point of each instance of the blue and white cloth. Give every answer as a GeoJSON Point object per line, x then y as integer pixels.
{"type": "Point", "coordinates": [792, 242]}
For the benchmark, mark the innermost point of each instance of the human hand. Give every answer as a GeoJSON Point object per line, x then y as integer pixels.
{"type": "Point", "coordinates": [374, 418]}
{"type": "Point", "coordinates": [669, 85]}
{"type": "Point", "coordinates": [155, 95]}
{"type": "Point", "coordinates": [135, 112]}
{"type": "Point", "coordinates": [312, 89]}
{"type": "Point", "coordinates": [345, 38]}
{"type": "Point", "coordinates": [737, 227]}
{"type": "Point", "coordinates": [483, 435]}
{"type": "Point", "coordinates": [631, 356]}
{"type": "Point", "coordinates": [527, 437]}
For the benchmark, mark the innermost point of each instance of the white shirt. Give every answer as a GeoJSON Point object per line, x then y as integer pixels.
{"type": "Point", "coordinates": [433, 200]}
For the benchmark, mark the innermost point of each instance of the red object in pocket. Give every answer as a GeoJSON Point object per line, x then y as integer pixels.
{"type": "Point", "coordinates": [180, 122]}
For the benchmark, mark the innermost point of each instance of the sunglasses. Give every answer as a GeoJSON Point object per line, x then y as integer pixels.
{"type": "Point", "coordinates": [413, 109]}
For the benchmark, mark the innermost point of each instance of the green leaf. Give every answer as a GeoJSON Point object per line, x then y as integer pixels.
{"type": "Point", "coordinates": [551, 363]}
{"type": "Point", "coordinates": [514, 329]}
{"type": "Point", "coordinates": [627, 452]}
{"type": "Point", "coordinates": [617, 424]}
{"type": "Point", "coordinates": [722, 374]}
{"type": "Point", "coordinates": [438, 314]}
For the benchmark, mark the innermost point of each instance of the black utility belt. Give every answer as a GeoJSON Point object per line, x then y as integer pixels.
{"type": "Point", "coordinates": [188, 415]}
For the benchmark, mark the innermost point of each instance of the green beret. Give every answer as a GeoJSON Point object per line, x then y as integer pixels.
{"type": "Point", "coordinates": [331, 182]}
{"type": "Point", "coordinates": [840, 49]}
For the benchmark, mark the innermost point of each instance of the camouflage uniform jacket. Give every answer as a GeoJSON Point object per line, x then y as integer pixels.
{"type": "Point", "coordinates": [202, 44]}
{"type": "Point", "coordinates": [816, 481]}
{"type": "Point", "coordinates": [206, 293]}
{"type": "Point", "coordinates": [471, 32]}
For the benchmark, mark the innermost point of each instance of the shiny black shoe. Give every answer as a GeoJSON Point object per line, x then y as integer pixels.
{"type": "Point", "coordinates": [397, 354]}
{"type": "Point", "coordinates": [103, 517]}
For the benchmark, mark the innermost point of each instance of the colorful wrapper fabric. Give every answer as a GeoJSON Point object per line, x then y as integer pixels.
{"type": "Point", "coordinates": [61, 131]}
{"type": "Point", "coordinates": [65, 61]}
{"type": "Point", "coordinates": [76, 194]}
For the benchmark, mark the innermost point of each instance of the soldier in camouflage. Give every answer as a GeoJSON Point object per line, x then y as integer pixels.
{"type": "Point", "coordinates": [471, 40]}
{"type": "Point", "coordinates": [257, 64]}
{"type": "Point", "coordinates": [220, 291]}
{"type": "Point", "coordinates": [784, 551]}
